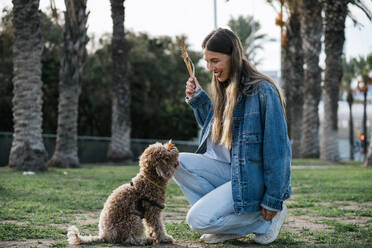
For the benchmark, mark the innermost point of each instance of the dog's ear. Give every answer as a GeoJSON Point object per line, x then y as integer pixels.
{"type": "Point", "coordinates": [169, 145]}
{"type": "Point", "coordinates": [160, 172]}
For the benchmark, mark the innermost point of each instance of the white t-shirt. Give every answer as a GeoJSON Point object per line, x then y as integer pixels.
{"type": "Point", "coordinates": [217, 151]}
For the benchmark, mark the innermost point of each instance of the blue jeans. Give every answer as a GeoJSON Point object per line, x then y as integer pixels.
{"type": "Point", "coordinates": [206, 183]}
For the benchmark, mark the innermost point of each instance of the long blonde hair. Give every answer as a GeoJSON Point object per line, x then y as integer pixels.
{"type": "Point", "coordinates": [225, 94]}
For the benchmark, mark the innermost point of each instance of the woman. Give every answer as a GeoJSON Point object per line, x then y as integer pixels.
{"type": "Point", "coordinates": [240, 175]}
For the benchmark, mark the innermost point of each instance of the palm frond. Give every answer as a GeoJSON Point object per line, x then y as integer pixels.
{"type": "Point", "coordinates": [362, 6]}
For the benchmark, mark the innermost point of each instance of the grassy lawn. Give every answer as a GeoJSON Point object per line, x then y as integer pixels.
{"type": "Point", "coordinates": [330, 206]}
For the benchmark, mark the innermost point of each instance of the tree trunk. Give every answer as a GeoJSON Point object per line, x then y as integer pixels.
{"type": "Point", "coordinates": [28, 152]}
{"type": "Point", "coordinates": [350, 101]}
{"type": "Point", "coordinates": [72, 61]}
{"type": "Point", "coordinates": [285, 83]}
{"type": "Point", "coordinates": [335, 14]}
{"type": "Point", "coordinates": [119, 150]}
{"type": "Point", "coordinates": [293, 76]}
{"type": "Point", "coordinates": [368, 159]}
{"type": "Point", "coordinates": [311, 32]}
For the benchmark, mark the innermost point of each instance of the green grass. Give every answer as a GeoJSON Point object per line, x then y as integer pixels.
{"type": "Point", "coordinates": [11, 231]}
{"type": "Point", "coordinates": [182, 231]}
{"type": "Point", "coordinates": [54, 196]}
{"type": "Point", "coordinates": [348, 235]}
{"type": "Point", "coordinates": [344, 183]}
{"type": "Point", "coordinates": [41, 206]}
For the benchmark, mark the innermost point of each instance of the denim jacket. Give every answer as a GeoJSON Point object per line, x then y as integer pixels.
{"type": "Point", "coordinates": [261, 151]}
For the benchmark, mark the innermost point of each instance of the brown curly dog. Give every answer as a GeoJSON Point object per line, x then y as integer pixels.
{"type": "Point", "coordinates": [141, 199]}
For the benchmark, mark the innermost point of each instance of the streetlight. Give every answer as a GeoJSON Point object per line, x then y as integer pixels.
{"type": "Point", "coordinates": [215, 14]}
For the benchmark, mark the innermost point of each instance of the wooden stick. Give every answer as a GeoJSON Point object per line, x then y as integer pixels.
{"type": "Point", "coordinates": [187, 59]}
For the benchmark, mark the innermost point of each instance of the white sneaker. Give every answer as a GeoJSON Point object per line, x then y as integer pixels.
{"type": "Point", "coordinates": [273, 233]}
{"type": "Point", "coordinates": [217, 238]}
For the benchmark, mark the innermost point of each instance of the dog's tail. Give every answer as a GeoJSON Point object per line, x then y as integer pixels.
{"type": "Point", "coordinates": [74, 237]}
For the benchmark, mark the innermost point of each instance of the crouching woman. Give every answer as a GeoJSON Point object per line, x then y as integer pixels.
{"type": "Point", "coordinates": [240, 174]}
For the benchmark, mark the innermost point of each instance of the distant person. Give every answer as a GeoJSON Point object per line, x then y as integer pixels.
{"type": "Point", "coordinates": [240, 175]}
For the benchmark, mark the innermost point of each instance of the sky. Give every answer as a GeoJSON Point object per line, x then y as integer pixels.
{"type": "Point", "coordinates": [195, 19]}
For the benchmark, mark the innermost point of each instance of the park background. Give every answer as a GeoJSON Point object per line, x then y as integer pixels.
{"type": "Point", "coordinates": [193, 21]}
{"type": "Point", "coordinates": [331, 201]}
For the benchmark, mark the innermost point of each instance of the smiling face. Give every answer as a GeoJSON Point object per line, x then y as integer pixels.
{"type": "Point", "coordinates": [218, 64]}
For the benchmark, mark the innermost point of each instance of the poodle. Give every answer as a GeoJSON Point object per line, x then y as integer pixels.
{"type": "Point", "coordinates": [141, 200]}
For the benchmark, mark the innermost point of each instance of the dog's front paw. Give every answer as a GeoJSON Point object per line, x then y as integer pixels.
{"type": "Point", "coordinates": [167, 239]}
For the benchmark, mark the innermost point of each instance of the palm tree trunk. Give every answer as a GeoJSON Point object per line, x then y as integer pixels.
{"type": "Point", "coordinates": [27, 152]}
{"type": "Point", "coordinates": [350, 101]}
{"type": "Point", "coordinates": [119, 149]}
{"type": "Point", "coordinates": [311, 32]}
{"type": "Point", "coordinates": [285, 82]}
{"type": "Point", "coordinates": [368, 159]}
{"type": "Point", "coordinates": [72, 61]}
{"type": "Point", "coordinates": [335, 14]}
{"type": "Point", "coordinates": [293, 76]}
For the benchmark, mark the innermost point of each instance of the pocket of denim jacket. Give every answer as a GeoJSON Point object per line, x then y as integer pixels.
{"type": "Point", "coordinates": [252, 124]}
{"type": "Point", "coordinates": [253, 147]}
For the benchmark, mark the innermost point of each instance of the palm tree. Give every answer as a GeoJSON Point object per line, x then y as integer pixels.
{"type": "Point", "coordinates": [363, 68]}
{"type": "Point", "coordinates": [72, 61]}
{"type": "Point", "coordinates": [247, 30]}
{"type": "Point", "coordinates": [292, 68]}
{"type": "Point", "coordinates": [367, 78]}
{"type": "Point", "coordinates": [119, 149]}
{"type": "Point", "coordinates": [293, 82]}
{"type": "Point", "coordinates": [27, 152]}
{"type": "Point", "coordinates": [334, 37]}
{"type": "Point", "coordinates": [349, 74]}
{"type": "Point", "coordinates": [311, 32]}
